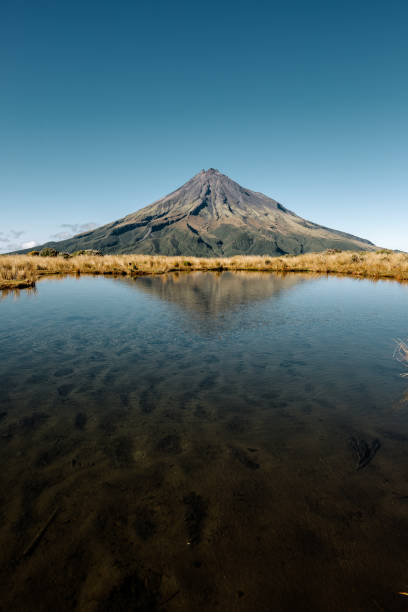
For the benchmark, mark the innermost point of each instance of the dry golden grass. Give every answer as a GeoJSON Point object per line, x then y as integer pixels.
{"type": "Point", "coordinates": [17, 271]}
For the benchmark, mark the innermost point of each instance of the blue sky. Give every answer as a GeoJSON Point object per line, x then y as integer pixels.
{"type": "Point", "coordinates": [107, 106]}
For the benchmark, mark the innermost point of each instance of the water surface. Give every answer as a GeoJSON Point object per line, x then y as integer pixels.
{"type": "Point", "coordinates": [191, 442]}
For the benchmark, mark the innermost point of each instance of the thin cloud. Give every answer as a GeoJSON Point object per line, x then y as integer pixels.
{"type": "Point", "coordinates": [71, 229]}
{"type": "Point", "coordinates": [11, 235]}
{"type": "Point", "coordinates": [79, 228]}
{"type": "Point", "coordinates": [8, 241]}
{"type": "Point", "coordinates": [9, 247]}
{"type": "Point", "coordinates": [29, 245]}
{"type": "Point", "coordinates": [61, 236]}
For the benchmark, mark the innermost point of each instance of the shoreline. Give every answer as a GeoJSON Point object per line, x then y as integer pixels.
{"type": "Point", "coordinates": [22, 271]}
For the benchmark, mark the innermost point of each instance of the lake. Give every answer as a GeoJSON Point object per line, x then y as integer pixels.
{"type": "Point", "coordinates": [204, 441]}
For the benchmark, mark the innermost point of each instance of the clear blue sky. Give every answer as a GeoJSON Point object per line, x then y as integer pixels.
{"type": "Point", "coordinates": [107, 106]}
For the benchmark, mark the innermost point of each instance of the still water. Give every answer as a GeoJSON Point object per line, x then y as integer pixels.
{"type": "Point", "coordinates": [231, 441]}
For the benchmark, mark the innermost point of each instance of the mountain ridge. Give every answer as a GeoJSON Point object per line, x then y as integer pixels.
{"type": "Point", "coordinates": [211, 216]}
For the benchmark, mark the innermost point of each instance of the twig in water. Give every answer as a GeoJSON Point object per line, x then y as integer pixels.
{"type": "Point", "coordinates": [169, 598]}
{"type": "Point", "coordinates": [38, 536]}
{"type": "Point", "coordinates": [401, 353]}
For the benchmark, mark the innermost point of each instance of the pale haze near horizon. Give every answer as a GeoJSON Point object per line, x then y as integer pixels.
{"type": "Point", "coordinates": [105, 109]}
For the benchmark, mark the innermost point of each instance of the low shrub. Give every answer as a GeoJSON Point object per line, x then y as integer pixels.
{"type": "Point", "coordinates": [48, 252]}
{"type": "Point", "coordinates": [93, 252]}
{"type": "Point", "coordinates": [34, 253]}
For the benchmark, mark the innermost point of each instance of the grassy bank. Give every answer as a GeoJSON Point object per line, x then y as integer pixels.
{"type": "Point", "coordinates": [18, 271]}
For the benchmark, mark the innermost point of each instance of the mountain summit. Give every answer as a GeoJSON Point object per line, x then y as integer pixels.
{"type": "Point", "coordinates": [211, 215]}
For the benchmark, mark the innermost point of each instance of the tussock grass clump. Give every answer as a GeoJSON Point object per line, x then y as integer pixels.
{"type": "Point", "coordinates": [15, 270]}
{"type": "Point", "coordinates": [16, 273]}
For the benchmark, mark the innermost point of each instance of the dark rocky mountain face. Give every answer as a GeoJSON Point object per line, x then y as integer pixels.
{"type": "Point", "coordinates": [210, 216]}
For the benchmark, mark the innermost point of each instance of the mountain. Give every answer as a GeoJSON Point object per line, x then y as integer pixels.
{"type": "Point", "coordinates": [209, 216]}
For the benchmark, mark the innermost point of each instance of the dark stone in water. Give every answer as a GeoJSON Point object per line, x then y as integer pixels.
{"type": "Point", "coordinates": [395, 435]}
{"type": "Point", "coordinates": [237, 425]}
{"type": "Point", "coordinates": [170, 444]}
{"type": "Point", "coordinates": [122, 450]}
{"type": "Point", "coordinates": [33, 421]}
{"type": "Point", "coordinates": [65, 390]}
{"type": "Point", "coordinates": [110, 421]}
{"type": "Point", "coordinates": [80, 420]}
{"type": "Point", "coordinates": [147, 402]}
{"type": "Point", "coordinates": [56, 449]}
{"type": "Point", "coordinates": [323, 402]}
{"type": "Point", "coordinates": [37, 379]}
{"type": "Point", "coordinates": [3, 415]}
{"type": "Point", "coordinates": [63, 372]}
{"type": "Point", "coordinates": [243, 458]}
{"type": "Point", "coordinates": [208, 382]}
{"type": "Point", "coordinates": [45, 458]}
{"type": "Point", "coordinates": [130, 596]}
{"type": "Point", "coordinates": [310, 543]}
{"type": "Point", "coordinates": [144, 525]}
{"type": "Point", "coordinates": [124, 398]}
{"type": "Point", "coordinates": [196, 514]}
{"type": "Point", "coordinates": [365, 452]}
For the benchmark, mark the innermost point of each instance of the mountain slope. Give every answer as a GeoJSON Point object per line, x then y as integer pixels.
{"type": "Point", "coordinates": [211, 215]}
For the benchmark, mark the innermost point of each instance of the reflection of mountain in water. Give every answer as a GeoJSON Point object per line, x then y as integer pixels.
{"type": "Point", "coordinates": [210, 292]}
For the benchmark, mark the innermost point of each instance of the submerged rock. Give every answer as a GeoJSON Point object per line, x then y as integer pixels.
{"type": "Point", "coordinates": [244, 459]}
{"type": "Point", "coordinates": [130, 595]}
{"type": "Point", "coordinates": [196, 513]}
{"type": "Point", "coordinates": [365, 452]}
{"type": "Point", "coordinates": [80, 420]}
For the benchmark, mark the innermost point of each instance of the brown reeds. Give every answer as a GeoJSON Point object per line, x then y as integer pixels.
{"type": "Point", "coordinates": [18, 271]}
